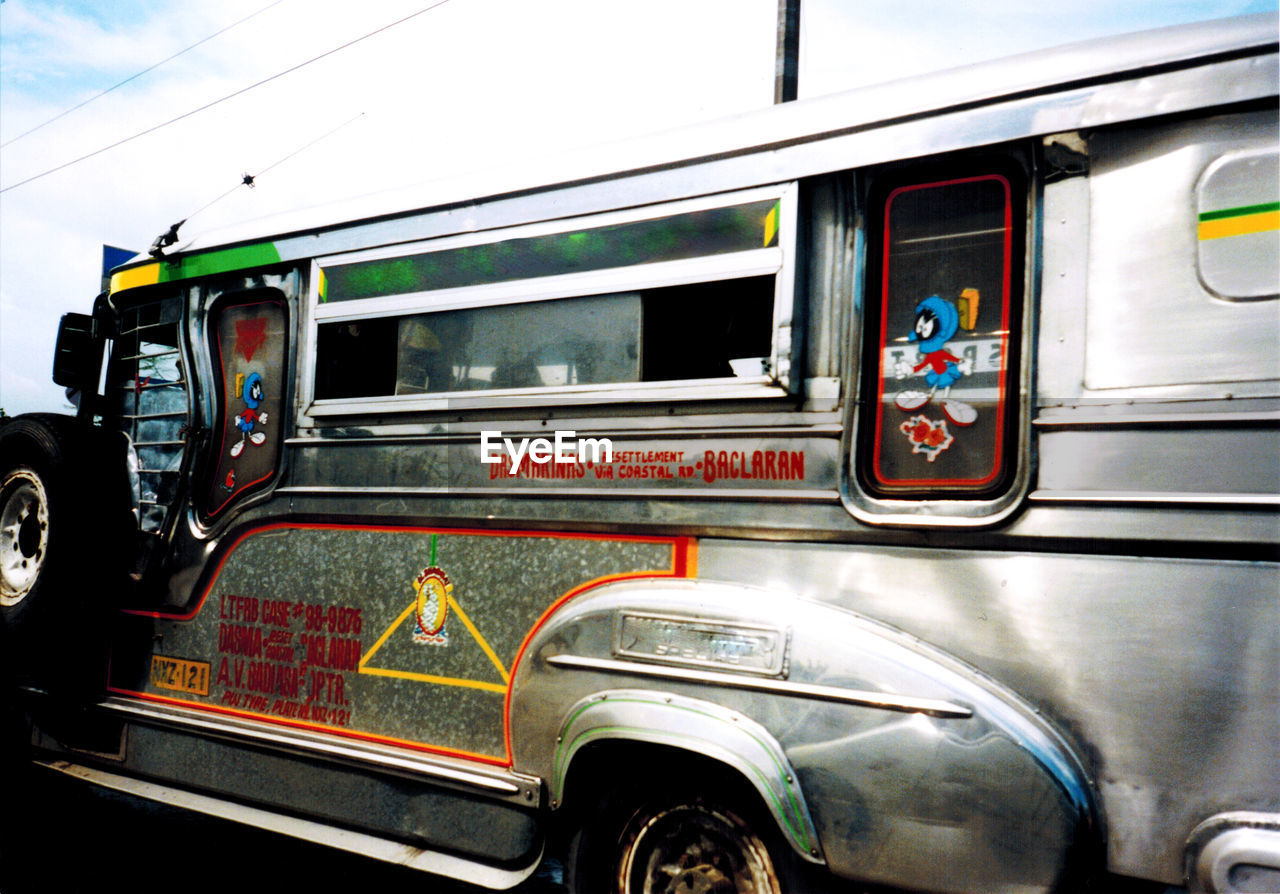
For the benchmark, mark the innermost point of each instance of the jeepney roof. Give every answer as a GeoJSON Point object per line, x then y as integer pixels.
{"type": "Point", "coordinates": [803, 121]}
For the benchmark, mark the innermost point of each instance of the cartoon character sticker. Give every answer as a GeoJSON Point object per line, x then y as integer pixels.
{"type": "Point", "coordinates": [937, 322]}
{"type": "Point", "coordinates": [249, 419]}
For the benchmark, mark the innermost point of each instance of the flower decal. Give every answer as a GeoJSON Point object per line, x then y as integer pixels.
{"type": "Point", "coordinates": [926, 436]}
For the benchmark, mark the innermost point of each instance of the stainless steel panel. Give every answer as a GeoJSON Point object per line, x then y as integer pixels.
{"type": "Point", "coordinates": [986, 800]}
{"type": "Point", "coordinates": [1150, 320]}
{"type": "Point", "coordinates": [1164, 673]}
{"type": "Point", "coordinates": [419, 814]}
{"type": "Point", "coordinates": [330, 628]}
{"type": "Point", "coordinates": [754, 463]}
{"type": "Point", "coordinates": [377, 847]}
{"type": "Point", "coordinates": [1189, 459]}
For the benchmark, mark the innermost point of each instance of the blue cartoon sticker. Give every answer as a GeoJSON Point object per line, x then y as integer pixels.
{"type": "Point", "coordinates": [937, 322]}
{"type": "Point", "coordinates": [249, 419]}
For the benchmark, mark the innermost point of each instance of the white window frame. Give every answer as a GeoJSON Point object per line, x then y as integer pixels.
{"type": "Point", "coordinates": [779, 261]}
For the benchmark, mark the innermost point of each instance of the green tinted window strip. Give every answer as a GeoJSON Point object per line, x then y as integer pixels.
{"type": "Point", "coordinates": [678, 237]}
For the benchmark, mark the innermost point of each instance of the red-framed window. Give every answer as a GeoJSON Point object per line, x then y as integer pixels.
{"type": "Point", "coordinates": [249, 346]}
{"type": "Point", "coordinates": [944, 305]}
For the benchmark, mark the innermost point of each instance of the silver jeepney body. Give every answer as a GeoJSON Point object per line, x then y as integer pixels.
{"type": "Point", "coordinates": [1074, 670]}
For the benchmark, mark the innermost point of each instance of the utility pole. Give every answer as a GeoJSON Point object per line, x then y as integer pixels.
{"type": "Point", "coordinates": [787, 63]}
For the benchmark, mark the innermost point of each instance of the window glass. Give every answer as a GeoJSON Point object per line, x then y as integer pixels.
{"type": "Point", "coordinates": [676, 237]}
{"type": "Point", "coordinates": [248, 345]}
{"type": "Point", "coordinates": [939, 337]}
{"type": "Point", "coordinates": [147, 401]}
{"type": "Point", "coordinates": [650, 335]}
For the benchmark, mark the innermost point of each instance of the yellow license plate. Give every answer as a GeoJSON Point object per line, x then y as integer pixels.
{"type": "Point", "coordinates": [180, 675]}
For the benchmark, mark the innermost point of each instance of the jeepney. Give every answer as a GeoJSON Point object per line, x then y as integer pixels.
{"type": "Point", "coordinates": [877, 487]}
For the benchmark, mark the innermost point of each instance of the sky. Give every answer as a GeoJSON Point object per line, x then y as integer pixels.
{"type": "Point", "coordinates": [446, 87]}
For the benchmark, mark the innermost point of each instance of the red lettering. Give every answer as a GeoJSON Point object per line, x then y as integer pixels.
{"type": "Point", "coordinates": [238, 639]}
{"type": "Point", "coordinates": [797, 464]}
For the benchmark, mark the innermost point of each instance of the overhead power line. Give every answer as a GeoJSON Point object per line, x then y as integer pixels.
{"type": "Point", "coordinates": [249, 179]}
{"type": "Point", "coordinates": [170, 236]}
{"type": "Point", "coordinates": [134, 77]}
{"type": "Point", "coordinates": [233, 95]}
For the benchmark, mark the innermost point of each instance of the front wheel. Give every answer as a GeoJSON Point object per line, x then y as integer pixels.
{"type": "Point", "coordinates": [688, 834]}
{"type": "Point", "coordinates": [55, 578]}
{"type": "Point", "coordinates": [24, 536]}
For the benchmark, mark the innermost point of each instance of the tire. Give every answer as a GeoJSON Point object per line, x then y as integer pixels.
{"type": "Point", "coordinates": [55, 588]}
{"type": "Point", "coordinates": [668, 842]}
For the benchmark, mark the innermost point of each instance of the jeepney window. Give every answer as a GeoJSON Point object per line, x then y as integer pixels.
{"type": "Point", "coordinates": [943, 299]}
{"type": "Point", "coordinates": [147, 400]}
{"type": "Point", "coordinates": [248, 347]}
{"type": "Point", "coordinates": [671, 334]}
{"type": "Point", "coordinates": [688, 294]}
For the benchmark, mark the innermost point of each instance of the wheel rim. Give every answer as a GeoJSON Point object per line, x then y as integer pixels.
{"type": "Point", "coordinates": [24, 534]}
{"type": "Point", "coordinates": [694, 849]}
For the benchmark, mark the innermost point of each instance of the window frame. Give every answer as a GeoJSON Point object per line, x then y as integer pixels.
{"type": "Point", "coordinates": [220, 403]}
{"type": "Point", "coordinates": [941, 503]}
{"type": "Point", "coordinates": [778, 260]}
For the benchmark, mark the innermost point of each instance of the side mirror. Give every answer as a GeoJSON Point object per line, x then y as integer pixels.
{"type": "Point", "coordinates": [77, 356]}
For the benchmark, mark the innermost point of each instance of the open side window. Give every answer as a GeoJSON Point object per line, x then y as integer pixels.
{"type": "Point", "coordinates": [248, 347]}
{"type": "Point", "coordinates": [941, 397]}
{"type": "Point", "coordinates": [689, 299]}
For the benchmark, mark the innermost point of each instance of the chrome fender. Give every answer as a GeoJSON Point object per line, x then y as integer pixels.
{"type": "Point", "coordinates": [643, 715]}
{"type": "Point", "coordinates": [912, 767]}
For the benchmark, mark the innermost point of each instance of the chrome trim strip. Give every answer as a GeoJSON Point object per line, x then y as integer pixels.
{"type": "Point", "coordinates": [362, 843]}
{"type": "Point", "coordinates": [884, 701]}
{"type": "Point", "coordinates": [1160, 498]}
{"type": "Point", "coordinates": [311, 743]}
{"type": "Point", "coordinates": [1181, 420]}
{"type": "Point", "coordinates": [727, 388]}
{"type": "Point", "coordinates": [651, 493]}
{"type": "Point", "coordinates": [816, 429]}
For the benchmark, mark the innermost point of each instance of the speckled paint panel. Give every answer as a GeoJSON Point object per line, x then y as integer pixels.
{"type": "Point", "coordinates": [402, 635]}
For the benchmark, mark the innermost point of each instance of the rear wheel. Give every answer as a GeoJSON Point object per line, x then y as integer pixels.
{"type": "Point", "coordinates": [693, 847]}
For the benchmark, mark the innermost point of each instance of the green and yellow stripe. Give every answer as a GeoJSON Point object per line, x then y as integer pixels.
{"type": "Point", "coordinates": [204, 264]}
{"type": "Point", "coordinates": [1239, 221]}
